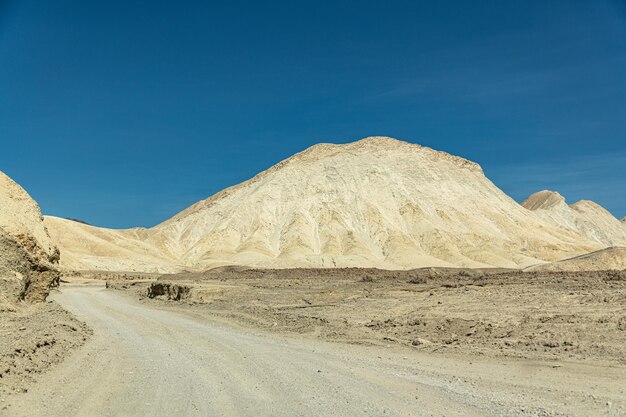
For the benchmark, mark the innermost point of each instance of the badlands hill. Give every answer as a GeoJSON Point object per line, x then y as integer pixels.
{"type": "Point", "coordinates": [609, 258]}
{"type": "Point", "coordinates": [377, 202]}
{"type": "Point", "coordinates": [86, 247]}
{"type": "Point", "coordinates": [27, 253]}
{"type": "Point", "coordinates": [583, 217]}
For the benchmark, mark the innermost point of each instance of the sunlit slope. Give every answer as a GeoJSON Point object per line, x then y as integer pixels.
{"type": "Point", "coordinates": [583, 217]}
{"type": "Point", "coordinates": [85, 247]}
{"type": "Point", "coordinates": [28, 255]}
{"type": "Point", "coordinates": [377, 202]}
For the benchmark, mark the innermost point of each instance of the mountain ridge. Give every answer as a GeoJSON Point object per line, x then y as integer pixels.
{"type": "Point", "coordinates": [317, 151]}
{"type": "Point", "coordinates": [584, 217]}
{"type": "Point", "coordinates": [376, 202]}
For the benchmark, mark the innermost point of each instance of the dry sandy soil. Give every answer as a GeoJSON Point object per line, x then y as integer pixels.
{"type": "Point", "coordinates": [34, 337]}
{"type": "Point", "coordinates": [546, 315]}
{"type": "Point", "coordinates": [310, 342]}
{"type": "Point", "coordinates": [170, 359]}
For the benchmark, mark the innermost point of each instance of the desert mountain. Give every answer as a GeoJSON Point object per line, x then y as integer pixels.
{"type": "Point", "coordinates": [377, 202]}
{"type": "Point", "coordinates": [583, 217]}
{"type": "Point", "coordinates": [609, 258]}
{"type": "Point", "coordinates": [27, 253]}
{"type": "Point", "coordinates": [86, 247]}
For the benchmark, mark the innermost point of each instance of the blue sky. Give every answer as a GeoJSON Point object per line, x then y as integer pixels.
{"type": "Point", "coordinates": [122, 113]}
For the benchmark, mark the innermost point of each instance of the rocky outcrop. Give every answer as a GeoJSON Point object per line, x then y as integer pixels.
{"type": "Point", "coordinates": [168, 291]}
{"type": "Point", "coordinates": [28, 257]}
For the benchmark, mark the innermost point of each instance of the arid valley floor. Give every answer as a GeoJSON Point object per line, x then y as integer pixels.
{"type": "Point", "coordinates": [329, 342]}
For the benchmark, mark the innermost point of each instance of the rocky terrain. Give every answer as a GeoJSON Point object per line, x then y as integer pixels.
{"type": "Point", "coordinates": [33, 334]}
{"type": "Point", "coordinates": [492, 312]}
{"type": "Point", "coordinates": [167, 358]}
{"type": "Point", "coordinates": [28, 257]}
{"type": "Point", "coordinates": [33, 338]}
{"type": "Point", "coordinates": [378, 202]}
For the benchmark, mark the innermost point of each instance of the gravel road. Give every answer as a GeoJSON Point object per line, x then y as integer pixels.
{"type": "Point", "coordinates": [147, 361]}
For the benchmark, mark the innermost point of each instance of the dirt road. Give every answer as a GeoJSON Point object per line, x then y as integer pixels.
{"type": "Point", "coordinates": [145, 361]}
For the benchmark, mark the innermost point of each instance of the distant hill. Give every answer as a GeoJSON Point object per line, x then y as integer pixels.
{"type": "Point", "coordinates": [605, 259]}
{"type": "Point", "coordinates": [77, 221]}
{"type": "Point", "coordinates": [583, 217]}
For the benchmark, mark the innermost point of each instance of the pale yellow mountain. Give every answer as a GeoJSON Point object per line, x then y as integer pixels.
{"type": "Point", "coordinates": [605, 259]}
{"type": "Point", "coordinates": [583, 217]}
{"type": "Point", "coordinates": [377, 202]}
{"type": "Point", "coordinates": [86, 247]}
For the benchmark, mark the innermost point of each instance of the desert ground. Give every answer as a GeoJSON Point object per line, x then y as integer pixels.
{"type": "Point", "coordinates": [246, 342]}
{"type": "Point", "coordinates": [542, 315]}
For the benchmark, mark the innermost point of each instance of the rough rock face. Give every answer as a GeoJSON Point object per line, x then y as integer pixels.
{"type": "Point", "coordinates": [378, 202]}
{"type": "Point", "coordinates": [27, 254]}
{"type": "Point", "coordinates": [583, 217]}
{"type": "Point", "coordinates": [21, 218]}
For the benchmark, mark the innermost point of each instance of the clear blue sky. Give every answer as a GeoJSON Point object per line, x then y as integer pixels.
{"type": "Point", "coordinates": [122, 113]}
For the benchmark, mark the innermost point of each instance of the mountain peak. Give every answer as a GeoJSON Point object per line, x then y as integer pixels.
{"type": "Point", "coordinates": [368, 144]}
{"type": "Point", "coordinates": [543, 200]}
{"type": "Point", "coordinates": [588, 206]}
{"type": "Point", "coordinates": [369, 151]}
{"type": "Point", "coordinates": [584, 217]}
{"type": "Point", "coordinates": [376, 146]}
{"type": "Point", "coordinates": [384, 141]}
